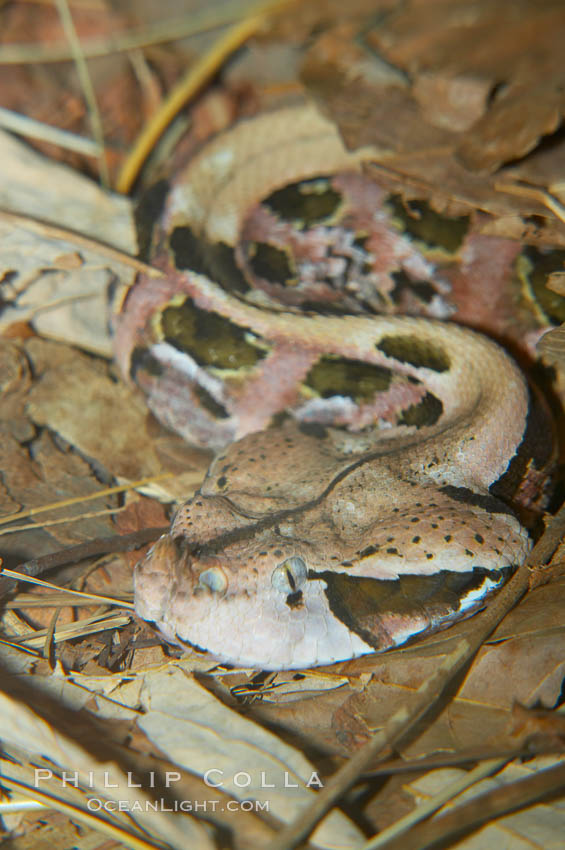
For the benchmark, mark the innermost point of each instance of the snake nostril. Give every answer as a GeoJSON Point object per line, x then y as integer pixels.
{"type": "Point", "coordinates": [180, 547]}
{"type": "Point", "coordinates": [185, 556]}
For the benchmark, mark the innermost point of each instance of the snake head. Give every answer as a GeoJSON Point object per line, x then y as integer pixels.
{"type": "Point", "coordinates": [277, 595]}
{"type": "Point", "coordinates": [255, 605]}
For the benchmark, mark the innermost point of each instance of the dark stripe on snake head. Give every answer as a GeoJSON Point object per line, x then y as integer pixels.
{"type": "Point", "coordinates": [294, 600]}
{"type": "Point", "coordinates": [480, 500]}
{"type": "Point", "coordinates": [374, 608]}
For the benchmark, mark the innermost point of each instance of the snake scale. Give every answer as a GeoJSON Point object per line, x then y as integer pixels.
{"type": "Point", "coordinates": [326, 527]}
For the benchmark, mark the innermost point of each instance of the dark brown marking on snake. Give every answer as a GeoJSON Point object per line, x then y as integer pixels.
{"type": "Point", "coordinates": [426, 412]}
{"type": "Point", "coordinates": [272, 264]}
{"type": "Point", "coordinates": [209, 403]}
{"type": "Point", "coordinates": [187, 249]}
{"type": "Point", "coordinates": [143, 361]}
{"type": "Point", "coordinates": [537, 447]}
{"type": "Point", "coordinates": [306, 202]}
{"type": "Point", "coordinates": [423, 223]}
{"type": "Point", "coordinates": [313, 429]}
{"type": "Point", "coordinates": [213, 259]}
{"type": "Point", "coordinates": [210, 339]}
{"type": "Point", "coordinates": [333, 375]}
{"type": "Point", "coordinates": [147, 212]}
{"type": "Point", "coordinates": [419, 352]}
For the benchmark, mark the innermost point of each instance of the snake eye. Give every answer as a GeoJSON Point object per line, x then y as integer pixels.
{"type": "Point", "coordinates": [213, 579]}
{"type": "Point", "coordinates": [289, 576]}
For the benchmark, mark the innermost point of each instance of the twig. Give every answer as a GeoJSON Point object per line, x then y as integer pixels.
{"type": "Point", "coordinates": [29, 127]}
{"type": "Point", "coordinates": [534, 193]}
{"type": "Point", "coordinates": [81, 594]}
{"type": "Point", "coordinates": [98, 822]}
{"type": "Point", "coordinates": [86, 85]}
{"type": "Point", "coordinates": [172, 29]}
{"type": "Point", "coordinates": [427, 695]}
{"type": "Point", "coordinates": [33, 526]}
{"type": "Point", "coordinates": [482, 809]}
{"type": "Point", "coordinates": [55, 231]}
{"type": "Point", "coordinates": [71, 631]}
{"type": "Point", "coordinates": [460, 758]}
{"type": "Point", "coordinates": [90, 549]}
{"type": "Point", "coordinates": [59, 596]}
{"type": "Point", "coordinates": [77, 500]}
{"type": "Point", "coordinates": [200, 73]}
{"type": "Point", "coordinates": [387, 837]}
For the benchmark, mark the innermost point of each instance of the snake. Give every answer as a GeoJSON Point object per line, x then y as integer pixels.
{"type": "Point", "coordinates": [367, 466]}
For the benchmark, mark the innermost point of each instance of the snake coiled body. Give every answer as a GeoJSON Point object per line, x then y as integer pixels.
{"type": "Point", "coordinates": [340, 527]}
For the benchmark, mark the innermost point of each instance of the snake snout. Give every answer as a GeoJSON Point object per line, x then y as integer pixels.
{"type": "Point", "coordinates": [200, 571]}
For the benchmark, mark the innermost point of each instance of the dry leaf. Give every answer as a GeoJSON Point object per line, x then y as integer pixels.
{"type": "Point", "coordinates": [452, 116]}
{"type": "Point", "coordinates": [552, 346]}
{"type": "Point", "coordinates": [69, 303]}
{"type": "Point", "coordinates": [199, 733]}
{"type": "Point", "coordinates": [537, 828]}
{"type": "Point", "coordinates": [183, 721]}
{"type": "Point", "coordinates": [22, 728]}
